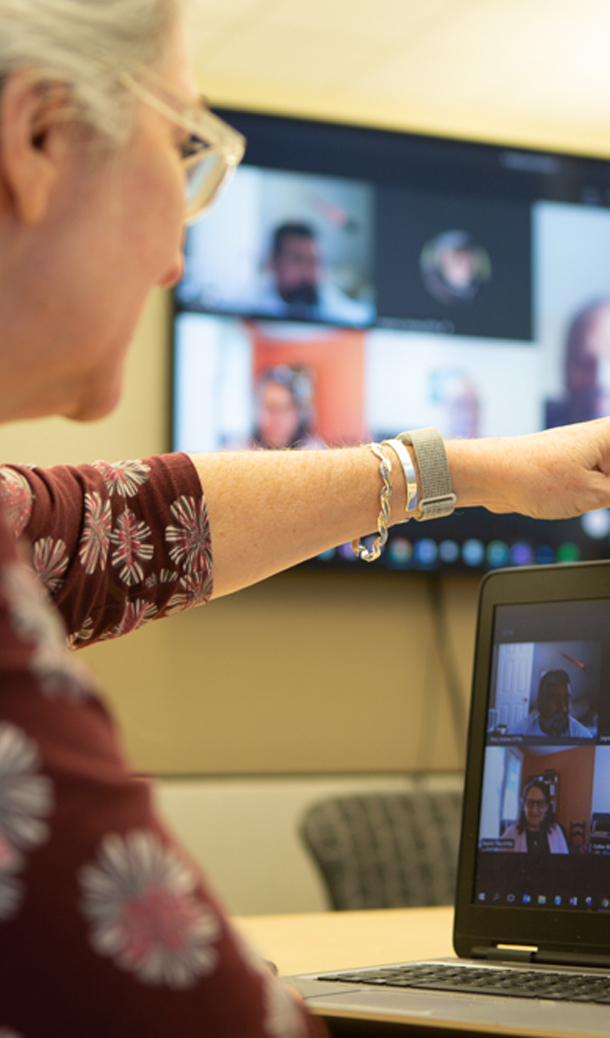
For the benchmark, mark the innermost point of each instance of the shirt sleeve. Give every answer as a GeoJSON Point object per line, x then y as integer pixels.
{"type": "Point", "coordinates": [577, 730]}
{"type": "Point", "coordinates": [114, 546]}
{"type": "Point", "coordinates": [106, 925]}
{"type": "Point", "coordinates": [557, 840]}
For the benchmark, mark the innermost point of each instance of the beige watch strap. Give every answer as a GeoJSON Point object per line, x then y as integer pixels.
{"type": "Point", "coordinates": [436, 498]}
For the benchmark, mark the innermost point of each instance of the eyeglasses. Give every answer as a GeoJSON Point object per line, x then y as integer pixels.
{"type": "Point", "coordinates": [534, 804]}
{"type": "Point", "coordinates": [211, 152]}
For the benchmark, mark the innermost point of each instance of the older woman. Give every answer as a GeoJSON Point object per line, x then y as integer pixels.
{"type": "Point", "coordinates": [105, 926]}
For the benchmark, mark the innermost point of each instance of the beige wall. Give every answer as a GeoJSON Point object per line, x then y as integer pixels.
{"type": "Point", "coordinates": [304, 673]}
{"type": "Point", "coordinates": [308, 672]}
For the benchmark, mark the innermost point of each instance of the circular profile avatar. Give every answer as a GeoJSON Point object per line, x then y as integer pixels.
{"type": "Point", "coordinates": [453, 267]}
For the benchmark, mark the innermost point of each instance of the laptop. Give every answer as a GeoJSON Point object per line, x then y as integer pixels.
{"type": "Point", "coordinates": [532, 906]}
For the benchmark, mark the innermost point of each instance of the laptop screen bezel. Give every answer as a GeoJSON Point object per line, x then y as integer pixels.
{"type": "Point", "coordinates": [479, 926]}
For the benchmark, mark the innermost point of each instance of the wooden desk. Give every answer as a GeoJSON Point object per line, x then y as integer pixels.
{"type": "Point", "coordinates": [336, 940]}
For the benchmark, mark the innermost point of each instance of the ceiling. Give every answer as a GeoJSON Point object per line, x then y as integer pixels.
{"type": "Point", "coordinates": [533, 72]}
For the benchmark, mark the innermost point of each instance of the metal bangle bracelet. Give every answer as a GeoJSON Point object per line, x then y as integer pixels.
{"type": "Point", "coordinates": [410, 475]}
{"type": "Point", "coordinates": [385, 497]}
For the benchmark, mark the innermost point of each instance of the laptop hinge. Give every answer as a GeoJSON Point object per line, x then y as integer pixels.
{"type": "Point", "coordinates": [572, 959]}
{"type": "Point", "coordinates": [505, 953]}
{"type": "Point", "coordinates": [525, 953]}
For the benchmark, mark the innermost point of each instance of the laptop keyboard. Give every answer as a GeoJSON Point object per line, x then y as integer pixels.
{"type": "Point", "coordinates": [491, 980]}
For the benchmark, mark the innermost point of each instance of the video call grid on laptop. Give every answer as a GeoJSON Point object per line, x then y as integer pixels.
{"type": "Point", "coordinates": [533, 891]}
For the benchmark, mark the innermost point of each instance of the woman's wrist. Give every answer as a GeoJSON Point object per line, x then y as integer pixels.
{"type": "Point", "coordinates": [480, 472]}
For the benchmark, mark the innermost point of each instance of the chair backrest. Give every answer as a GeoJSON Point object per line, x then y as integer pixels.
{"type": "Point", "coordinates": [386, 850]}
{"type": "Point", "coordinates": [577, 836]}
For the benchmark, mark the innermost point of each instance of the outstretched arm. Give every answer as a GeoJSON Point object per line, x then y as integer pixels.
{"type": "Point", "coordinates": [271, 510]}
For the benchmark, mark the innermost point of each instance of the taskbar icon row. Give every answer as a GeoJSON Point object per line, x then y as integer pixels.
{"type": "Point", "coordinates": [425, 553]}
{"type": "Point", "coordinates": [587, 901]}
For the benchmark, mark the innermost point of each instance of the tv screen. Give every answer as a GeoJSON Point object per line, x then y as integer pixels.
{"type": "Point", "coordinates": [351, 283]}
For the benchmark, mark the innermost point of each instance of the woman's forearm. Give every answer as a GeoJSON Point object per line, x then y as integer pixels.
{"type": "Point", "coordinates": [269, 510]}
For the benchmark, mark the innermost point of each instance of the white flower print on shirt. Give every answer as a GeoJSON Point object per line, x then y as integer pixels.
{"type": "Point", "coordinates": [82, 636]}
{"type": "Point", "coordinates": [130, 535]}
{"type": "Point", "coordinates": [135, 614]}
{"type": "Point", "coordinates": [17, 496]}
{"type": "Point", "coordinates": [190, 537]}
{"type": "Point", "coordinates": [26, 800]}
{"type": "Point", "coordinates": [140, 900]}
{"type": "Point", "coordinates": [123, 477]}
{"type": "Point", "coordinates": [196, 589]}
{"type": "Point", "coordinates": [166, 576]}
{"type": "Point", "coordinates": [95, 539]}
{"type": "Point", "coordinates": [37, 623]}
{"type": "Point", "coordinates": [50, 560]}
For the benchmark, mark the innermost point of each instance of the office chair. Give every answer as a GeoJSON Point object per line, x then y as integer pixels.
{"type": "Point", "coordinates": [577, 838]}
{"type": "Point", "coordinates": [386, 850]}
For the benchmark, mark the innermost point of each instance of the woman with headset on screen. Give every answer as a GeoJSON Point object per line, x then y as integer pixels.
{"type": "Point", "coordinates": [106, 927]}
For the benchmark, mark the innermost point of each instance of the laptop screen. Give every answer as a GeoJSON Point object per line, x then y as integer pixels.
{"type": "Point", "coordinates": [544, 816]}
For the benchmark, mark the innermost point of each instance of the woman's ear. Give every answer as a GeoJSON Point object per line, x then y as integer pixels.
{"type": "Point", "coordinates": [33, 135]}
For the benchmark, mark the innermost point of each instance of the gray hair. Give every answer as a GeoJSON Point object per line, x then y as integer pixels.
{"type": "Point", "coordinates": [86, 45]}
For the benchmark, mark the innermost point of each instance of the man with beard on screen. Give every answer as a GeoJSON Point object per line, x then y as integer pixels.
{"type": "Point", "coordinates": [552, 715]}
{"type": "Point", "coordinates": [298, 287]}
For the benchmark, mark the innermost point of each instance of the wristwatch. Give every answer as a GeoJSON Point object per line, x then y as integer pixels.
{"type": "Point", "coordinates": [436, 499]}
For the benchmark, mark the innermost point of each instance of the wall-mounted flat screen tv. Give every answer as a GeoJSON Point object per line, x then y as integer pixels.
{"type": "Point", "coordinates": [351, 283]}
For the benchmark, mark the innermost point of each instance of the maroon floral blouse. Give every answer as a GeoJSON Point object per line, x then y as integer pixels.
{"type": "Point", "coordinates": [107, 929]}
